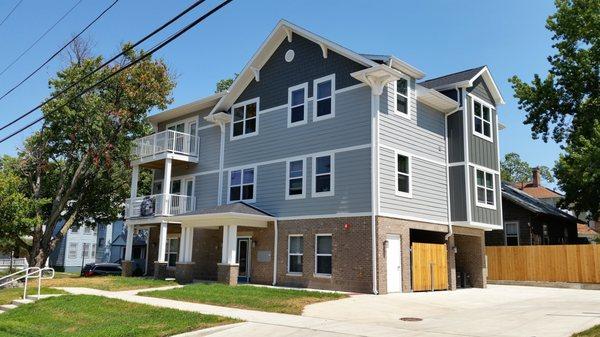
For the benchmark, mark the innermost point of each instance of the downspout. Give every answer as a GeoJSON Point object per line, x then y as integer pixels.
{"type": "Point", "coordinates": [450, 230]}
{"type": "Point", "coordinates": [275, 253]}
{"type": "Point", "coordinates": [221, 159]}
{"type": "Point", "coordinates": [374, 183]}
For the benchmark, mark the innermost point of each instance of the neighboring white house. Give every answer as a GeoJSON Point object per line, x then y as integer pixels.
{"type": "Point", "coordinates": [76, 249]}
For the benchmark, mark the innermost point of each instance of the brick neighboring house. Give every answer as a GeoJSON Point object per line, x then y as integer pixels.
{"type": "Point", "coordinates": [531, 221]}
{"type": "Point", "coordinates": [319, 168]}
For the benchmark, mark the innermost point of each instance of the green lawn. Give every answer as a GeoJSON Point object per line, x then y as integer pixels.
{"type": "Point", "coordinates": [246, 297]}
{"type": "Point", "coordinates": [9, 294]}
{"type": "Point", "coordinates": [591, 332]}
{"type": "Point", "coordinates": [103, 317]}
{"type": "Point", "coordinates": [111, 283]}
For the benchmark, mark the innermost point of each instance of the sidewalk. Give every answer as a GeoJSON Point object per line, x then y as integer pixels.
{"type": "Point", "coordinates": [259, 323]}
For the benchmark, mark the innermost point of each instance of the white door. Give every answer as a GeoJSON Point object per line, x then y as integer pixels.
{"type": "Point", "coordinates": [394, 266]}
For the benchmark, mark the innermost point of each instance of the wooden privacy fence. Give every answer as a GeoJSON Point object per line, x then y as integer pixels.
{"type": "Point", "coordinates": [429, 266]}
{"type": "Point", "coordinates": [561, 263]}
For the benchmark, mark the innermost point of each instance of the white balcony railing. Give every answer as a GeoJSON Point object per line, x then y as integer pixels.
{"type": "Point", "coordinates": [164, 142]}
{"type": "Point", "coordinates": [159, 205]}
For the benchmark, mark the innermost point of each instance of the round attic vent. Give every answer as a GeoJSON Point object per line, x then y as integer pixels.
{"type": "Point", "coordinates": [289, 55]}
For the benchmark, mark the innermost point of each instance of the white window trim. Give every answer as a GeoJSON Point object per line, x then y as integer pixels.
{"type": "Point", "coordinates": [410, 177]}
{"type": "Point", "coordinates": [242, 179]}
{"type": "Point", "coordinates": [74, 251]}
{"type": "Point", "coordinates": [492, 109]}
{"type": "Point", "coordinates": [314, 175]}
{"type": "Point", "coordinates": [317, 255]}
{"type": "Point", "coordinates": [480, 204]}
{"type": "Point", "coordinates": [295, 254]}
{"type": "Point", "coordinates": [406, 115]}
{"type": "Point", "coordinates": [287, 179]}
{"type": "Point", "coordinates": [518, 232]}
{"type": "Point", "coordinates": [244, 103]}
{"type": "Point", "coordinates": [315, 83]}
{"type": "Point", "coordinates": [289, 107]}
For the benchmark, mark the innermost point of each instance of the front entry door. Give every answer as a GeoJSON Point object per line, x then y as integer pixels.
{"type": "Point", "coordinates": [394, 264]}
{"type": "Point", "coordinates": [243, 259]}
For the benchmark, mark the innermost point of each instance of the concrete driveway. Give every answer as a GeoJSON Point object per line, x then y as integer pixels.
{"type": "Point", "coordinates": [498, 310]}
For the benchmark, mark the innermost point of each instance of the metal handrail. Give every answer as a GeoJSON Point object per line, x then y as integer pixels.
{"type": "Point", "coordinates": [29, 272]}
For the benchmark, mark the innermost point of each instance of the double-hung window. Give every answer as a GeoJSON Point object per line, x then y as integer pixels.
{"type": "Point", "coordinates": [323, 249]}
{"type": "Point", "coordinates": [295, 253]}
{"type": "Point", "coordinates": [402, 97]}
{"type": "Point", "coordinates": [242, 185]}
{"type": "Point", "coordinates": [245, 119]}
{"type": "Point", "coordinates": [297, 97]}
{"type": "Point", "coordinates": [72, 250]}
{"type": "Point", "coordinates": [482, 120]}
{"type": "Point", "coordinates": [295, 181]}
{"type": "Point", "coordinates": [323, 176]}
{"type": "Point", "coordinates": [511, 230]}
{"type": "Point", "coordinates": [324, 98]}
{"type": "Point", "coordinates": [486, 193]}
{"type": "Point", "coordinates": [403, 175]}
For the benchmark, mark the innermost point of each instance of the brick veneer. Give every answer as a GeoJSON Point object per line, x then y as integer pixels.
{"type": "Point", "coordinates": [127, 267]}
{"type": "Point", "coordinates": [470, 256]}
{"type": "Point", "coordinates": [228, 273]}
{"type": "Point", "coordinates": [351, 253]}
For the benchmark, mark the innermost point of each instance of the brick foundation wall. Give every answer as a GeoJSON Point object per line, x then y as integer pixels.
{"type": "Point", "coordinates": [351, 253]}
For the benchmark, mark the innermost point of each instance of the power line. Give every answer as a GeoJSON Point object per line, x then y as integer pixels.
{"type": "Point", "coordinates": [60, 93]}
{"type": "Point", "coordinates": [10, 13]}
{"type": "Point", "coordinates": [60, 50]}
{"type": "Point", "coordinates": [132, 63]}
{"type": "Point", "coordinates": [40, 38]}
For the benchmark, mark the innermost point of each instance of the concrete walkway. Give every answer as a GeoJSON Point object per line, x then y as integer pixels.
{"type": "Point", "coordinates": [502, 311]}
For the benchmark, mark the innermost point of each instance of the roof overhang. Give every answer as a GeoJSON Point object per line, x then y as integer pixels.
{"type": "Point", "coordinates": [436, 99]}
{"type": "Point", "coordinates": [377, 77]}
{"type": "Point", "coordinates": [488, 79]}
{"type": "Point", "coordinates": [182, 110]}
{"type": "Point", "coordinates": [283, 30]}
{"type": "Point", "coordinates": [398, 64]}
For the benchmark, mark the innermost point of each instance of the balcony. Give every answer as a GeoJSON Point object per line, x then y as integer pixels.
{"type": "Point", "coordinates": [159, 205]}
{"type": "Point", "coordinates": [150, 150]}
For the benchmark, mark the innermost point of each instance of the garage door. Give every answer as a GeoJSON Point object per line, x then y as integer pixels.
{"type": "Point", "coordinates": [429, 266]}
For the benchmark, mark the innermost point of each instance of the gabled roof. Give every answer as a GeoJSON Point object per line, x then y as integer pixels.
{"type": "Point", "coordinates": [533, 204]}
{"type": "Point", "coordinates": [465, 78]}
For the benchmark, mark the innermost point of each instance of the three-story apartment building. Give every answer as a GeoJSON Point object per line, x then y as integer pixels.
{"type": "Point", "coordinates": [323, 168]}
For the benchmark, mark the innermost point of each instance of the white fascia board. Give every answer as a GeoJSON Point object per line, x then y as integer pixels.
{"type": "Point", "coordinates": [489, 80]}
{"type": "Point", "coordinates": [406, 68]}
{"type": "Point", "coordinates": [184, 109]}
{"type": "Point", "coordinates": [268, 47]}
{"type": "Point", "coordinates": [436, 99]}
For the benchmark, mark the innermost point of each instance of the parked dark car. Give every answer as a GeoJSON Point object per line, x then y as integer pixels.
{"type": "Point", "coordinates": [101, 269]}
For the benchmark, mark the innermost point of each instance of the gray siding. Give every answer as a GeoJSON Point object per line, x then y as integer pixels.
{"type": "Point", "coordinates": [210, 145]}
{"type": "Point", "coordinates": [351, 126]}
{"type": "Point", "coordinates": [205, 190]}
{"type": "Point", "coordinates": [482, 214]}
{"type": "Point", "coordinates": [481, 151]}
{"type": "Point", "coordinates": [458, 196]}
{"type": "Point", "coordinates": [481, 90]}
{"type": "Point", "coordinates": [352, 187]}
{"type": "Point", "coordinates": [277, 75]}
{"type": "Point", "coordinates": [429, 195]}
{"type": "Point", "coordinates": [456, 146]}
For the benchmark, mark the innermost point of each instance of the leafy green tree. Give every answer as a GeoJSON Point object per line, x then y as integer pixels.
{"type": "Point", "coordinates": [224, 84]}
{"type": "Point", "coordinates": [513, 169]}
{"type": "Point", "coordinates": [564, 105]}
{"type": "Point", "coordinates": [76, 170]}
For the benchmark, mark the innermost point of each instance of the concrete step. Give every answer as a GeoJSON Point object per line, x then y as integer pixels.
{"type": "Point", "coordinates": [22, 301]}
{"type": "Point", "coordinates": [35, 297]}
{"type": "Point", "coordinates": [6, 307]}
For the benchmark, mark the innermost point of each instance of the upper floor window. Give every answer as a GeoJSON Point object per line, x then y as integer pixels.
{"type": "Point", "coordinates": [323, 181]}
{"type": "Point", "coordinates": [297, 97]}
{"type": "Point", "coordinates": [511, 230]}
{"type": "Point", "coordinates": [486, 193]}
{"type": "Point", "coordinates": [403, 175]}
{"type": "Point", "coordinates": [295, 183]}
{"type": "Point", "coordinates": [87, 230]}
{"type": "Point", "coordinates": [245, 119]}
{"type": "Point", "coordinates": [482, 120]}
{"type": "Point", "coordinates": [402, 97]}
{"type": "Point", "coordinates": [241, 185]}
{"type": "Point", "coordinates": [324, 98]}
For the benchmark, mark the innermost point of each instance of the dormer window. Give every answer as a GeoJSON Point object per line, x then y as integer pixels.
{"type": "Point", "coordinates": [244, 119]}
{"type": "Point", "coordinates": [482, 120]}
{"type": "Point", "coordinates": [402, 97]}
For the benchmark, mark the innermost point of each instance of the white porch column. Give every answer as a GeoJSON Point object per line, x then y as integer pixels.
{"type": "Point", "coordinates": [162, 242]}
{"type": "Point", "coordinates": [129, 243]}
{"type": "Point", "coordinates": [166, 188]}
{"type": "Point", "coordinates": [225, 244]}
{"type": "Point", "coordinates": [231, 244]}
{"type": "Point", "coordinates": [190, 244]}
{"type": "Point", "coordinates": [183, 245]}
{"type": "Point", "coordinates": [135, 173]}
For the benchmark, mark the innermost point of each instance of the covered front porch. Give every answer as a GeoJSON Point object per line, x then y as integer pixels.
{"type": "Point", "coordinates": [223, 243]}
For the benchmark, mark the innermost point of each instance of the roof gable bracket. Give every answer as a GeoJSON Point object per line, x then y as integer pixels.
{"type": "Point", "coordinates": [256, 73]}
{"type": "Point", "coordinates": [289, 34]}
{"type": "Point", "coordinates": [324, 49]}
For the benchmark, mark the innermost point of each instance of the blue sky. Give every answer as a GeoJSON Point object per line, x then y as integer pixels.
{"type": "Point", "coordinates": [437, 37]}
